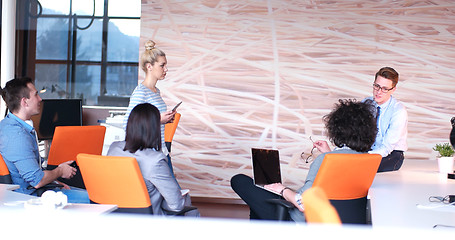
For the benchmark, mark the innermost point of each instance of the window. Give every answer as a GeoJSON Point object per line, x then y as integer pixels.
{"type": "Point", "coordinates": [103, 36]}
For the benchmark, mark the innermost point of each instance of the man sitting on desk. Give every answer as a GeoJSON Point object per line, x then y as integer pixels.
{"type": "Point", "coordinates": [392, 120]}
{"type": "Point", "coordinates": [19, 146]}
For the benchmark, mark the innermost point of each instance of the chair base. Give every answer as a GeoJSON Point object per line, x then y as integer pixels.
{"type": "Point", "coordinates": [148, 210]}
{"type": "Point", "coordinates": [181, 212]}
{"type": "Point", "coordinates": [282, 207]}
{"type": "Point", "coordinates": [352, 211]}
{"type": "Point", "coordinates": [144, 210]}
{"type": "Point", "coordinates": [6, 179]}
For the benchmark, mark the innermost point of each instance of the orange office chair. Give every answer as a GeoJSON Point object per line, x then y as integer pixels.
{"type": "Point", "coordinates": [318, 208]}
{"type": "Point", "coordinates": [169, 131]}
{"type": "Point", "coordinates": [118, 181]}
{"type": "Point", "coordinates": [115, 180]}
{"type": "Point", "coordinates": [345, 179]}
{"type": "Point", "coordinates": [68, 141]}
{"type": "Point", "coordinates": [5, 177]}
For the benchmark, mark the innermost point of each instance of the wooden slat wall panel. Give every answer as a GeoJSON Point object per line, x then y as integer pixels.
{"type": "Point", "coordinates": [263, 73]}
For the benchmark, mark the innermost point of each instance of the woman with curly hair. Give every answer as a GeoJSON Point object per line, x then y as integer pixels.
{"type": "Point", "coordinates": [351, 127]}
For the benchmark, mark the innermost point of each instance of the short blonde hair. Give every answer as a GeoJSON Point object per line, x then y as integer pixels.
{"type": "Point", "coordinates": [150, 54]}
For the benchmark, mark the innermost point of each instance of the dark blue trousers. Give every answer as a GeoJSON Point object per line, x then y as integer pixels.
{"type": "Point", "coordinates": [392, 162]}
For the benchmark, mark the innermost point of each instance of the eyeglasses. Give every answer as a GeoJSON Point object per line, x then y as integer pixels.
{"type": "Point", "coordinates": [309, 158]}
{"type": "Point", "coordinates": [378, 87]}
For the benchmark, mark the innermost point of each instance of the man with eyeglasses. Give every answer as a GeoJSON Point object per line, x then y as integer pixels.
{"type": "Point", "coordinates": [392, 121]}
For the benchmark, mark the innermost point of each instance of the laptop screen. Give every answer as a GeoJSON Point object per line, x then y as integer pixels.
{"type": "Point", "coordinates": [266, 166]}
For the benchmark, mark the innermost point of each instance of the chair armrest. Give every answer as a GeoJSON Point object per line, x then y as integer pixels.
{"type": "Point", "coordinates": [181, 212]}
{"type": "Point", "coordinates": [282, 208]}
{"type": "Point", "coordinates": [282, 203]}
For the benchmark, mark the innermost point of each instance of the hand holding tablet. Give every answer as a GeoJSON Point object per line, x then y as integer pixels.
{"type": "Point", "coordinates": [176, 106]}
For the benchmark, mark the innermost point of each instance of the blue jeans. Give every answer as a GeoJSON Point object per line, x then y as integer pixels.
{"type": "Point", "coordinates": [75, 195]}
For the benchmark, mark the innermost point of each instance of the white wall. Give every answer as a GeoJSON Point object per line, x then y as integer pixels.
{"type": "Point", "coordinates": [8, 46]}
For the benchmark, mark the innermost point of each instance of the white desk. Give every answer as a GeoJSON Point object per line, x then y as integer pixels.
{"type": "Point", "coordinates": [14, 200]}
{"type": "Point", "coordinates": [7, 195]}
{"type": "Point", "coordinates": [10, 187]}
{"type": "Point", "coordinates": [395, 195]}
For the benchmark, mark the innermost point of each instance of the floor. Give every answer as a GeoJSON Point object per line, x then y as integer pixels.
{"type": "Point", "coordinates": [221, 208]}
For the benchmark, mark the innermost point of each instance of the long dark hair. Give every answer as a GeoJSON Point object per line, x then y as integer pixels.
{"type": "Point", "coordinates": [143, 129]}
{"type": "Point", "coordinates": [352, 124]}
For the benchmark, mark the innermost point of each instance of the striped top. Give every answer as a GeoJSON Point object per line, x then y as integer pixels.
{"type": "Point", "coordinates": [143, 94]}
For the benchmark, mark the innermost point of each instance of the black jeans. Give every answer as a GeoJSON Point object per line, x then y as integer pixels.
{"type": "Point", "coordinates": [255, 197]}
{"type": "Point", "coordinates": [392, 162]}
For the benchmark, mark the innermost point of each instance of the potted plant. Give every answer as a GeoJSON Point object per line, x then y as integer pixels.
{"type": "Point", "coordinates": [445, 157]}
{"type": "Point", "coordinates": [444, 149]}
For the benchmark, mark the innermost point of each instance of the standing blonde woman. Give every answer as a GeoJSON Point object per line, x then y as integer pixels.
{"type": "Point", "coordinates": [153, 62]}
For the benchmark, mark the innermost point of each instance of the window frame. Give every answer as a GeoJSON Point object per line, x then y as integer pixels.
{"type": "Point", "coordinates": [26, 45]}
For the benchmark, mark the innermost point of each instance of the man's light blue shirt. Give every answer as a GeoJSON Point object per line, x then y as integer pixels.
{"type": "Point", "coordinates": [19, 149]}
{"type": "Point", "coordinates": [392, 127]}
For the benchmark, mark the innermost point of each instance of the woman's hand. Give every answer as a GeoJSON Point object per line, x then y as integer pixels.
{"type": "Point", "coordinates": [322, 146]}
{"type": "Point", "coordinates": [168, 117]}
{"type": "Point", "coordinates": [287, 193]}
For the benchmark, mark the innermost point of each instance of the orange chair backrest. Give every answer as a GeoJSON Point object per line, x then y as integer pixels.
{"type": "Point", "coordinates": [347, 176]}
{"type": "Point", "coordinates": [5, 177]}
{"type": "Point", "coordinates": [318, 208]}
{"type": "Point", "coordinates": [3, 168]}
{"type": "Point", "coordinates": [114, 180]}
{"type": "Point", "coordinates": [68, 141]}
{"type": "Point", "coordinates": [169, 128]}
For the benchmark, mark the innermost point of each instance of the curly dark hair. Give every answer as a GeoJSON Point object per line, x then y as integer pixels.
{"type": "Point", "coordinates": [352, 124]}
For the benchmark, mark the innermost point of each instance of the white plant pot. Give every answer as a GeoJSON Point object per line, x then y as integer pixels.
{"type": "Point", "coordinates": [445, 164]}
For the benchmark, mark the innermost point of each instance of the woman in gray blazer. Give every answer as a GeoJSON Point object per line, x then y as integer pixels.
{"type": "Point", "coordinates": [143, 142]}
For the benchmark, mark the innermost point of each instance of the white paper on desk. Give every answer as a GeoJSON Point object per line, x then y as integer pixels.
{"type": "Point", "coordinates": [440, 207]}
{"type": "Point", "coordinates": [14, 203]}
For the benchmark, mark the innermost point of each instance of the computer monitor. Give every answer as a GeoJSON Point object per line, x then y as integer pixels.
{"type": "Point", "coordinates": [57, 112]}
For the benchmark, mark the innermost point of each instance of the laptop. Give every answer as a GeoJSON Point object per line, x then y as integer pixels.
{"type": "Point", "coordinates": [266, 167]}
